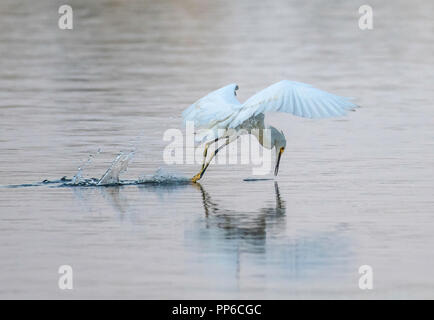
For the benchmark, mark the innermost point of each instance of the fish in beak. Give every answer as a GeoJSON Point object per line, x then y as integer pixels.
{"type": "Point", "coordinates": [276, 169]}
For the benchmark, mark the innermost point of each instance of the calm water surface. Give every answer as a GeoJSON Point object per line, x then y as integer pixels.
{"type": "Point", "coordinates": [351, 191]}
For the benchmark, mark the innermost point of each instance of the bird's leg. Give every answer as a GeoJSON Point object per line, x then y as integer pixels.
{"type": "Point", "coordinates": [202, 171]}
{"type": "Point", "coordinates": [205, 152]}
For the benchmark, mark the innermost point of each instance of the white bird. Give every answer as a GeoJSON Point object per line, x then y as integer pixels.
{"type": "Point", "coordinates": [222, 116]}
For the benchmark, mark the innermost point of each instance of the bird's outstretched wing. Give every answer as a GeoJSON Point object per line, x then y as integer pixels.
{"type": "Point", "coordinates": [297, 98]}
{"type": "Point", "coordinates": [213, 112]}
{"type": "Point", "coordinates": [215, 108]}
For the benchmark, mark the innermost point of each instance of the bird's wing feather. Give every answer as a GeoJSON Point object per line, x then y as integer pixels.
{"type": "Point", "coordinates": [213, 112]}
{"type": "Point", "coordinates": [297, 98]}
{"type": "Point", "coordinates": [214, 108]}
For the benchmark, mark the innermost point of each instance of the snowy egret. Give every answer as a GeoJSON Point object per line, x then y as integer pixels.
{"type": "Point", "coordinates": [222, 116]}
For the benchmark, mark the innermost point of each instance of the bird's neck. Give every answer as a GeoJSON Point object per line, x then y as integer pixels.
{"type": "Point", "coordinates": [264, 136]}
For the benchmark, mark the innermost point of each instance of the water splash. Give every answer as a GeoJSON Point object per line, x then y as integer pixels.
{"type": "Point", "coordinates": [78, 177]}
{"type": "Point", "coordinates": [118, 166]}
{"type": "Point", "coordinates": [161, 178]}
{"type": "Point", "coordinates": [164, 176]}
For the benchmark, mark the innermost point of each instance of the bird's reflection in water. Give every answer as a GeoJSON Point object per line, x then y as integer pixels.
{"type": "Point", "coordinates": [250, 227]}
{"type": "Point", "coordinates": [259, 240]}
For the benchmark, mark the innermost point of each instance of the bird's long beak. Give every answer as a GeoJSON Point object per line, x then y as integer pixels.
{"type": "Point", "coordinates": [276, 169]}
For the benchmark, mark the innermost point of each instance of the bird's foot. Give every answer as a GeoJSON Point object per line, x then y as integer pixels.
{"type": "Point", "coordinates": [196, 177]}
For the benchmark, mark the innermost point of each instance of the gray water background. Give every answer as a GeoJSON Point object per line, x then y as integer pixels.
{"type": "Point", "coordinates": [351, 191]}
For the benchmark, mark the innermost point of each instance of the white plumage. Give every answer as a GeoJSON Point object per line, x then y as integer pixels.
{"type": "Point", "coordinates": [221, 109]}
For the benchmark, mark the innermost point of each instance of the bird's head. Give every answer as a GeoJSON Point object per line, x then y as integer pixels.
{"type": "Point", "coordinates": [279, 142]}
